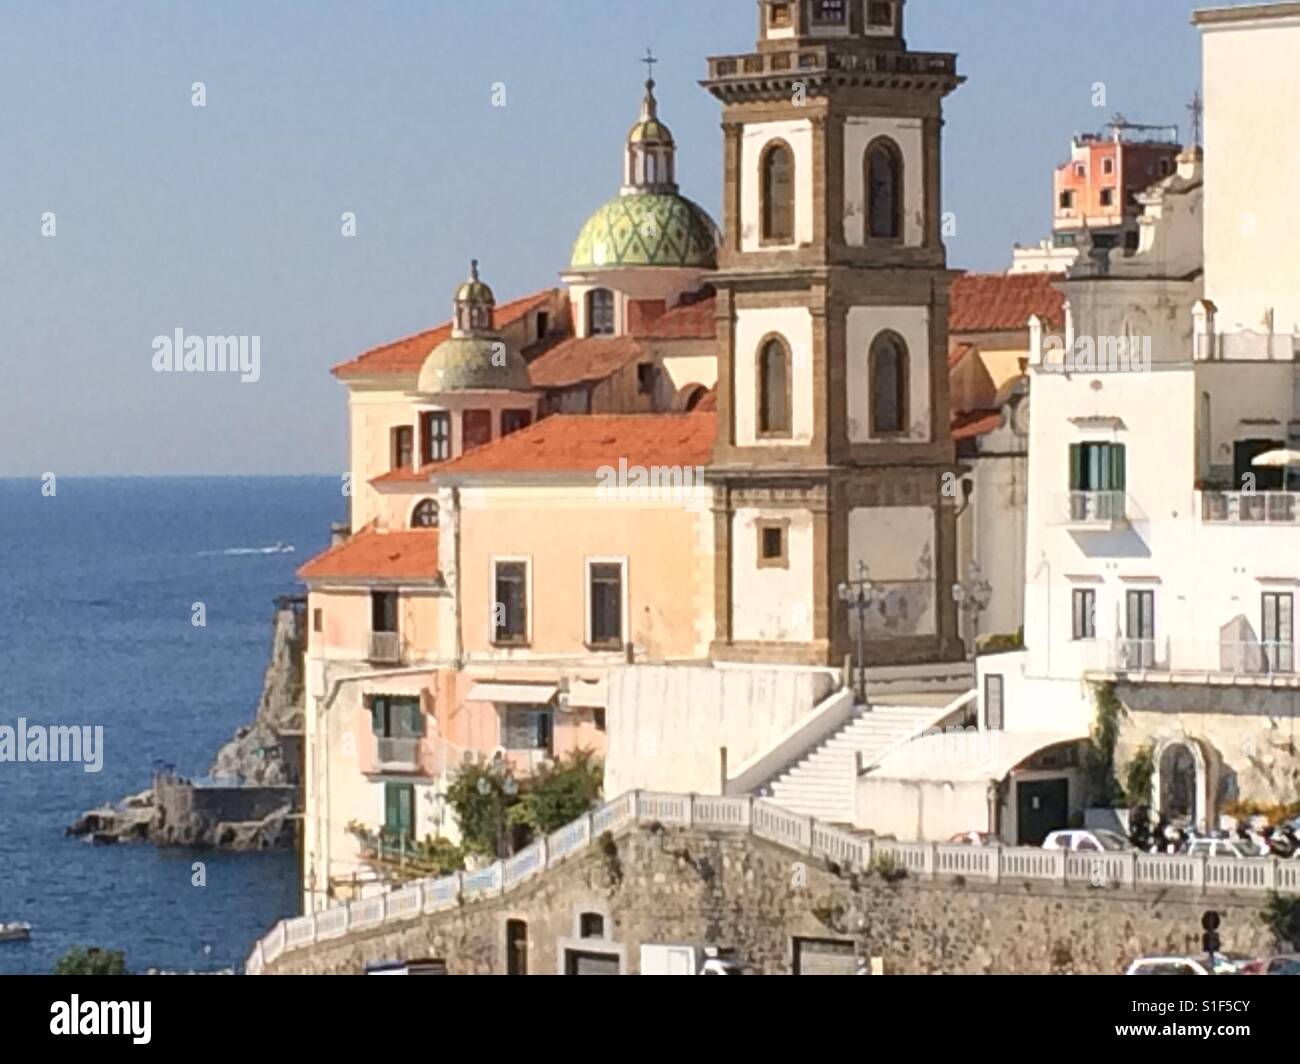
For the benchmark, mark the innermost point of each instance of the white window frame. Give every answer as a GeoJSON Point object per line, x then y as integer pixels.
{"type": "Point", "coordinates": [625, 620]}
{"type": "Point", "coordinates": [493, 561]}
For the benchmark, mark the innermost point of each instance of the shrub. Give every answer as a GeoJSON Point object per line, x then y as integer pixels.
{"type": "Point", "coordinates": [92, 961]}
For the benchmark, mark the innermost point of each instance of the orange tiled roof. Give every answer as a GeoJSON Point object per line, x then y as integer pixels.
{"type": "Point", "coordinates": [371, 554]}
{"type": "Point", "coordinates": [976, 423]}
{"type": "Point", "coordinates": [1004, 302]}
{"type": "Point", "coordinates": [583, 443]}
{"type": "Point", "coordinates": [408, 355]}
{"type": "Point", "coordinates": [709, 404]}
{"type": "Point", "coordinates": [686, 321]}
{"type": "Point", "coordinates": [958, 351]}
{"type": "Point", "coordinates": [587, 358]}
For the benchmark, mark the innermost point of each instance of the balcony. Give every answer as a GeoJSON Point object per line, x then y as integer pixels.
{"type": "Point", "coordinates": [726, 70]}
{"type": "Point", "coordinates": [1250, 508]}
{"type": "Point", "coordinates": [398, 755]}
{"type": "Point", "coordinates": [385, 648]}
{"type": "Point", "coordinates": [1262, 663]}
{"type": "Point", "coordinates": [1245, 346]}
{"type": "Point", "coordinates": [1093, 510]}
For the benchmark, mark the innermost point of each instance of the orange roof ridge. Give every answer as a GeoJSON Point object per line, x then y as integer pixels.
{"type": "Point", "coordinates": [409, 554]}
{"type": "Point", "coordinates": [1004, 302]}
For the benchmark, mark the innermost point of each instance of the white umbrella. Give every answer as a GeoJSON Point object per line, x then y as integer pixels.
{"type": "Point", "coordinates": [1281, 459]}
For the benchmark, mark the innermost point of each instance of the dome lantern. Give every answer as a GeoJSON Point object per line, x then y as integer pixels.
{"type": "Point", "coordinates": [474, 306]}
{"type": "Point", "coordinates": [651, 164]}
{"type": "Point", "coordinates": [475, 358]}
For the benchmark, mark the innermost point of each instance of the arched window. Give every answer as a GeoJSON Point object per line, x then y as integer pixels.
{"type": "Point", "coordinates": [774, 388]}
{"type": "Point", "coordinates": [884, 182]}
{"type": "Point", "coordinates": [888, 372]}
{"type": "Point", "coordinates": [778, 194]}
{"type": "Point", "coordinates": [600, 312]}
{"type": "Point", "coordinates": [425, 514]}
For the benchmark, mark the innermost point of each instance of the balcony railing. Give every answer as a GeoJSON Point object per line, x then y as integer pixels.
{"type": "Point", "coordinates": [1093, 509]}
{"type": "Point", "coordinates": [823, 60]}
{"type": "Point", "coordinates": [1246, 346]}
{"type": "Point", "coordinates": [1252, 661]}
{"type": "Point", "coordinates": [386, 648]}
{"type": "Point", "coordinates": [398, 755]}
{"type": "Point", "coordinates": [1250, 508]}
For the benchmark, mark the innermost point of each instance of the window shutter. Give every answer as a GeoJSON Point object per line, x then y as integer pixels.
{"type": "Point", "coordinates": [377, 715]}
{"type": "Point", "coordinates": [1117, 470]}
{"type": "Point", "coordinates": [1076, 467]}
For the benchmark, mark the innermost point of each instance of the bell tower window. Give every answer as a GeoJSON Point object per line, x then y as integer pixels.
{"type": "Point", "coordinates": [888, 375]}
{"type": "Point", "coordinates": [880, 13]}
{"type": "Point", "coordinates": [778, 16]}
{"type": "Point", "coordinates": [778, 194]}
{"type": "Point", "coordinates": [828, 12]}
{"type": "Point", "coordinates": [600, 312]}
{"type": "Point", "coordinates": [884, 181]}
{"type": "Point", "coordinates": [774, 388]}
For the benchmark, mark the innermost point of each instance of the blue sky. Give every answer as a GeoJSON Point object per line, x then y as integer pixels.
{"type": "Point", "coordinates": [226, 219]}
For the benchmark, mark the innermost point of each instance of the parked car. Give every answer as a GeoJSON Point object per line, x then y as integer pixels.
{"type": "Point", "coordinates": [1221, 848]}
{"type": "Point", "coordinates": [975, 838]}
{"type": "Point", "coordinates": [1167, 966]}
{"type": "Point", "coordinates": [424, 966]}
{"type": "Point", "coordinates": [1095, 840]}
{"type": "Point", "coordinates": [1285, 964]}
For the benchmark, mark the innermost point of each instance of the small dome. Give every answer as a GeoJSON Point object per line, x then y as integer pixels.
{"type": "Point", "coordinates": [651, 131]}
{"type": "Point", "coordinates": [474, 364]}
{"type": "Point", "coordinates": [647, 229]}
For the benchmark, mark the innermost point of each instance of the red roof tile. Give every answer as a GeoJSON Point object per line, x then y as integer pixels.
{"type": "Point", "coordinates": [709, 403]}
{"type": "Point", "coordinates": [587, 358]}
{"type": "Point", "coordinates": [976, 423]}
{"type": "Point", "coordinates": [583, 443]}
{"type": "Point", "coordinates": [687, 321]}
{"type": "Point", "coordinates": [408, 355]}
{"type": "Point", "coordinates": [371, 554]}
{"type": "Point", "coordinates": [1004, 302]}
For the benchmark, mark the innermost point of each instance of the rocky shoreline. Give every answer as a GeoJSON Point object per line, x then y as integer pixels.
{"type": "Point", "coordinates": [252, 794]}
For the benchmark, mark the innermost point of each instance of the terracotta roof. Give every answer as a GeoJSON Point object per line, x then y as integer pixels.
{"type": "Point", "coordinates": [371, 554]}
{"type": "Point", "coordinates": [958, 351]}
{"type": "Point", "coordinates": [976, 423]}
{"type": "Point", "coordinates": [1004, 302]}
{"type": "Point", "coordinates": [406, 475]}
{"type": "Point", "coordinates": [583, 443]}
{"type": "Point", "coordinates": [408, 355]}
{"type": "Point", "coordinates": [587, 358]}
{"type": "Point", "coordinates": [686, 321]}
{"type": "Point", "coordinates": [709, 404]}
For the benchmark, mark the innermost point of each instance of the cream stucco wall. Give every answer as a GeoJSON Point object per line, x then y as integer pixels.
{"type": "Point", "coordinates": [753, 327]}
{"type": "Point", "coordinates": [346, 620]}
{"type": "Point", "coordinates": [897, 545]}
{"type": "Point", "coordinates": [757, 136]}
{"type": "Point", "coordinates": [772, 603]}
{"type": "Point", "coordinates": [1252, 150]}
{"type": "Point", "coordinates": [864, 325]}
{"type": "Point", "coordinates": [907, 135]}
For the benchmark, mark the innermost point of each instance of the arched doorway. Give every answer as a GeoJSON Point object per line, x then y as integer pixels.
{"type": "Point", "coordinates": [1181, 782]}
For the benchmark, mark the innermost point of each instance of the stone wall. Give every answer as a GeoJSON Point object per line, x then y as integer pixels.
{"type": "Point", "coordinates": [738, 891]}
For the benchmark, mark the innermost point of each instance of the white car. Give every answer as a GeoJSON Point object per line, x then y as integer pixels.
{"type": "Point", "coordinates": [1166, 966]}
{"type": "Point", "coordinates": [1096, 840]}
{"type": "Point", "coordinates": [1220, 848]}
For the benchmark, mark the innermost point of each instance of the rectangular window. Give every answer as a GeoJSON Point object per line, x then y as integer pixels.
{"type": "Point", "coordinates": [1140, 630]}
{"type": "Point", "coordinates": [396, 717]}
{"type": "Point", "coordinates": [435, 436]}
{"type": "Point", "coordinates": [1098, 479]}
{"type": "Point", "coordinates": [605, 598]}
{"type": "Point", "coordinates": [515, 420]}
{"type": "Point", "coordinates": [475, 429]}
{"type": "Point", "coordinates": [543, 325]}
{"type": "Point", "coordinates": [403, 449]}
{"type": "Point", "coordinates": [645, 378]}
{"type": "Point", "coordinates": [527, 728]}
{"type": "Point", "coordinates": [318, 620]}
{"type": "Point", "coordinates": [1107, 197]}
{"type": "Point", "coordinates": [510, 617]}
{"type": "Point", "coordinates": [880, 13]}
{"type": "Point", "coordinates": [773, 544]}
{"type": "Point", "coordinates": [1277, 633]}
{"type": "Point", "coordinates": [1108, 166]}
{"type": "Point", "coordinates": [598, 717]}
{"type": "Point", "coordinates": [829, 11]}
{"type": "Point", "coordinates": [779, 16]}
{"type": "Point", "coordinates": [399, 810]}
{"type": "Point", "coordinates": [1067, 201]}
{"type": "Point", "coordinates": [993, 702]}
{"type": "Point", "coordinates": [1085, 613]}
{"type": "Point", "coordinates": [383, 611]}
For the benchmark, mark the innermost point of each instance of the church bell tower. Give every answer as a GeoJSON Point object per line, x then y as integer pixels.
{"type": "Point", "coordinates": [833, 449]}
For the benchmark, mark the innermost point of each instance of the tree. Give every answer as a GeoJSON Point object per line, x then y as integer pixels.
{"type": "Point", "coordinates": [92, 961]}
{"type": "Point", "coordinates": [559, 795]}
{"type": "Point", "coordinates": [1282, 916]}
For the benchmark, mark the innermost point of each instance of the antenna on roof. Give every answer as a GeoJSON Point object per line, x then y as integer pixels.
{"type": "Point", "coordinates": [1197, 108]}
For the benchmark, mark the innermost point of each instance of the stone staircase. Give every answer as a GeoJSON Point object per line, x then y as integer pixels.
{"type": "Point", "coordinates": [824, 783]}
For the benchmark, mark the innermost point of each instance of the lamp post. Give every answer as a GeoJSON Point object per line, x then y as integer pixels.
{"type": "Point", "coordinates": [973, 598]}
{"type": "Point", "coordinates": [859, 595]}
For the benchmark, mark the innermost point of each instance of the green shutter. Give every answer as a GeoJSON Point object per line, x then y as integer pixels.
{"type": "Point", "coordinates": [1117, 467]}
{"type": "Point", "coordinates": [1076, 467]}
{"type": "Point", "coordinates": [417, 720]}
{"type": "Point", "coordinates": [377, 716]}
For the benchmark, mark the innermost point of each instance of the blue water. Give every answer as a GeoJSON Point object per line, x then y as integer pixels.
{"type": "Point", "coordinates": [96, 590]}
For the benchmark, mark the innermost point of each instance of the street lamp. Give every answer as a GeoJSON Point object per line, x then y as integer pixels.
{"type": "Point", "coordinates": [859, 595]}
{"type": "Point", "coordinates": [973, 598]}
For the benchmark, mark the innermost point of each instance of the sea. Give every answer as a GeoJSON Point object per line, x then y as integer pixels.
{"type": "Point", "coordinates": [100, 587]}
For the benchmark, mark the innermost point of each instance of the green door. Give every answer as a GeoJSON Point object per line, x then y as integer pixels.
{"type": "Point", "coordinates": [1042, 806]}
{"type": "Point", "coordinates": [399, 810]}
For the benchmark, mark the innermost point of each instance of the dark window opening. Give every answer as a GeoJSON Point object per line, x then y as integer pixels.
{"type": "Point", "coordinates": [475, 429]}
{"type": "Point", "coordinates": [515, 420]}
{"type": "Point", "coordinates": [606, 605]}
{"type": "Point", "coordinates": [1084, 614]}
{"type": "Point", "coordinates": [884, 191]}
{"type": "Point", "coordinates": [774, 389]}
{"type": "Point", "coordinates": [1107, 197]}
{"type": "Point", "coordinates": [425, 514]}
{"type": "Point", "coordinates": [511, 614]}
{"type": "Point", "coordinates": [598, 716]}
{"type": "Point", "coordinates": [778, 195]}
{"type": "Point", "coordinates": [888, 367]}
{"type": "Point", "coordinates": [516, 947]}
{"type": "Point", "coordinates": [646, 375]}
{"type": "Point", "coordinates": [543, 325]}
{"type": "Point", "coordinates": [528, 728]}
{"type": "Point", "coordinates": [779, 16]}
{"type": "Point", "coordinates": [772, 543]}
{"type": "Point", "coordinates": [591, 925]}
{"type": "Point", "coordinates": [383, 611]}
{"type": "Point", "coordinates": [403, 450]}
{"type": "Point", "coordinates": [317, 620]}
{"type": "Point", "coordinates": [396, 717]}
{"type": "Point", "coordinates": [600, 312]}
{"type": "Point", "coordinates": [435, 436]}
{"type": "Point", "coordinates": [880, 13]}
{"type": "Point", "coordinates": [1067, 201]}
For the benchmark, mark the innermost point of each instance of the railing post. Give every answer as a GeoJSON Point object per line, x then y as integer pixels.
{"type": "Point", "coordinates": [812, 827]}
{"type": "Point", "coordinates": [1198, 873]}
{"type": "Point", "coordinates": [460, 886]}
{"type": "Point", "coordinates": [1129, 867]}
{"type": "Point", "coordinates": [636, 806]}
{"type": "Point", "coordinates": [930, 861]}
{"type": "Point", "coordinates": [690, 811]}
{"type": "Point", "coordinates": [868, 854]}
{"type": "Point", "coordinates": [1270, 874]}
{"type": "Point", "coordinates": [587, 829]}
{"type": "Point", "coordinates": [749, 813]}
{"type": "Point", "coordinates": [501, 877]}
{"type": "Point", "coordinates": [543, 853]}
{"type": "Point", "coordinates": [995, 865]}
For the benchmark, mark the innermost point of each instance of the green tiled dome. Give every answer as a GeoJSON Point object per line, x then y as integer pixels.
{"type": "Point", "coordinates": [647, 229]}
{"type": "Point", "coordinates": [474, 364]}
